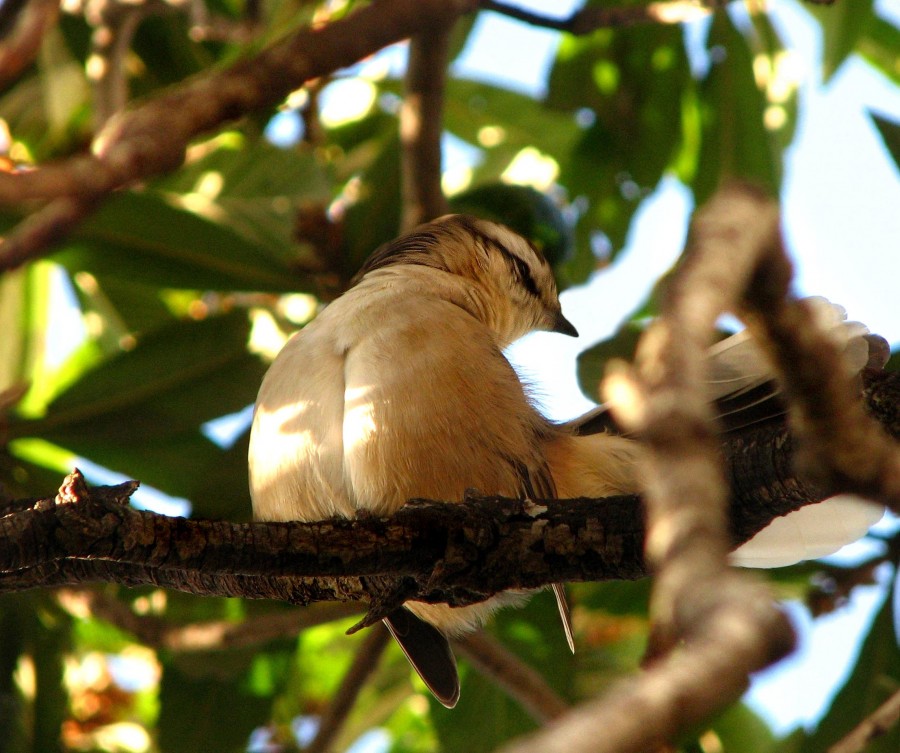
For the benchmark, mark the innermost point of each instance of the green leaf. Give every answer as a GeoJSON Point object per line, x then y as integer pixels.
{"type": "Point", "coordinates": [535, 635]}
{"type": "Point", "coordinates": [880, 46]}
{"type": "Point", "coordinates": [520, 120]}
{"type": "Point", "coordinates": [208, 705]}
{"type": "Point", "coordinates": [875, 677]}
{"type": "Point", "coordinates": [374, 218]}
{"type": "Point", "coordinates": [843, 24]}
{"type": "Point", "coordinates": [592, 362]}
{"type": "Point", "coordinates": [530, 213]}
{"type": "Point", "coordinates": [140, 413]}
{"type": "Point", "coordinates": [735, 140]}
{"type": "Point", "coordinates": [253, 188]}
{"type": "Point", "coordinates": [890, 134]}
{"type": "Point", "coordinates": [741, 730]}
{"type": "Point", "coordinates": [176, 378]}
{"type": "Point", "coordinates": [142, 236]}
{"type": "Point", "coordinates": [628, 86]}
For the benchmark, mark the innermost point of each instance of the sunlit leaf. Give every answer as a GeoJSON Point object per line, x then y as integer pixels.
{"type": "Point", "coordinates": [880, 46]}
{"type": "Point", "coordinates": [143, 236]}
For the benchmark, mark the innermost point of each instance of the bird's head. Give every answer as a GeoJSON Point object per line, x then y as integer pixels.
{"type": "Point", "coordinates": [511, 283]}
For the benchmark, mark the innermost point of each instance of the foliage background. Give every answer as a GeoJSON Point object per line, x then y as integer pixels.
{"type": "Point", "coordinates": [186, 285]}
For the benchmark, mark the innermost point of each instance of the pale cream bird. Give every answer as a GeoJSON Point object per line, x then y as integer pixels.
{"type": "Point", "coordinates": [399, 389]}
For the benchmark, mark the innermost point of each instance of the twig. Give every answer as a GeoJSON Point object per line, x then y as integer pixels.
{"type": "Point", "coordinates": [871, 728]}
{"type": "Point", "coordinates": [36, 234]}
{"type": "Point", "coordinates": [520, 682]}
{"type": "Point", "coordinates": [214, 635]}
{"type": "Point", "coordinates": [421, 126]}
{"type": "Point", "coordinates": [115, 24]}
{"type": "Point", "coordinates": [341, 704]}
{"type": "Point", "coordinates": [590, 19]}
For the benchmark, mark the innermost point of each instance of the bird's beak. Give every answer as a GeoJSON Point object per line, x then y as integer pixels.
{"type": "Point", "coordinates": [563, 326]}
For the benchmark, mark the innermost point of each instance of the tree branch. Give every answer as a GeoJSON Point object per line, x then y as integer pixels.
{"type": "Point", "coordinates": [100, 539]}
{"type": "Point", "coordinates": [421, 126]}
{"type": "Point", "coordinates": [589, 19]}
{"type": "Point", "coordinates": [22, 28]}
{"type": "Point", "coordinates": [152, 138]}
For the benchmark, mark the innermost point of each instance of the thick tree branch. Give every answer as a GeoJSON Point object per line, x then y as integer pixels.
{"type": "Point", "coordinates": [152, 138]}
{"type": "Point", "coordinates": [47, 544]}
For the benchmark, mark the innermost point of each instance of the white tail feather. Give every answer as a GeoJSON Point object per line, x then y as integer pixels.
{"type": "Point", "coordinates": [808, 533]}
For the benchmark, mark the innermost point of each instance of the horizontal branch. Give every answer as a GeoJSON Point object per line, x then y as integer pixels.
{"type": "Point", "coordinates": [429, 551]}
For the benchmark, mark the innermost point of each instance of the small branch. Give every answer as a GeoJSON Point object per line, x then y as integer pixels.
{"type": "Point", "coordinates": [36, 234]}
{"type": "Point", "coordinates": [115, 24]}
{"type": "Point", "coordinates": [364, 663]}
{"type": "Point", "coordinates": [516, 678]}
{"type": "Point", "coordinates": [214, 635]}
{"type": "Point", "coordinates": [590, 19]}
{"type": "Point", "coordinates": [874, 726]}
{"type": "Point", "coordinates": [22, 30]}
{"type": "Point", "coordinates": [421, 126]}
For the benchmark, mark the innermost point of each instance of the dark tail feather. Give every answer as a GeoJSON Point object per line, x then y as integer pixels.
{"type": "Point", "coordinates": [428, 650]}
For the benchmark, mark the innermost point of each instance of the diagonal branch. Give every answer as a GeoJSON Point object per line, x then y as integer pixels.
{"type": "Point", "coordinates": [712, 627]}
{"type": "Point", "coordinates": [152, 138]}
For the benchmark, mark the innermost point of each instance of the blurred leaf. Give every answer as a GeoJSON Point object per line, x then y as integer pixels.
{"type": "Point", "coordinates": [740, 730]}
{"type": "Point", "coordinates": [254, 189]}
{"type": "Point", "coordinates": [519, 121]}
{"type": "Point", "coordinates": [842, 26]}
{"type": "Point", "coordinates": [875, 676]}
{"type": "Point", "coordinates": [880, 46]}
{"type": "Point", "coordinates": [890, 134]}
{"type": "Point", "coordinates": [530, 213]}
{"type": "Point", "coordinates": [122, 306]}
{"type": "Point", "coordinates": [592, 362]}
{"type": "Point", "coordinates": [141, 236]}
{"type": "Point", "coordinates": [51, 640]}
{"type": "Point", "coordinates": [374, 218]}
{"type": "Point", "coordinates": [140, 413]}
{"type": "Point", "coordinates": [535, 635]}
{"type": "Point", "coordinates": [176, 378]}
{"type": "Point", "coordinates": [735, 141]}
{"type": "Point", "coordinates": [24, 307]}
{"type": "Point", "coordinates": [164, 45]}
{"type": "Point", "coordinates": [627, 88]}
{"type": "Point", "coordinates": [15, 618]}
{"type": "Point", "coordinates": [209, 705]}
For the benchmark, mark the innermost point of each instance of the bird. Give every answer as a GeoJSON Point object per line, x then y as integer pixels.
{"type": "Point", "coordinates": [400, 389]}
